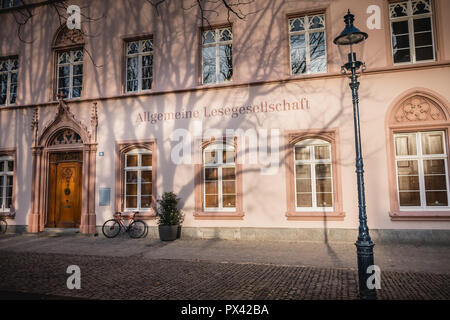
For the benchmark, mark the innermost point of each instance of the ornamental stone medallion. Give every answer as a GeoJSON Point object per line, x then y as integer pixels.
{"type": "Point", "coordinates": [419, 108]}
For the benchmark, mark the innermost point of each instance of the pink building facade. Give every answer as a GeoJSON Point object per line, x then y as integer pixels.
{"type": "Point", "coordinates": [249, 121]}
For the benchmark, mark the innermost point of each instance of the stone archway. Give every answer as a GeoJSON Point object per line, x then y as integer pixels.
{"type": "Point", "coordinates": [48, 142]}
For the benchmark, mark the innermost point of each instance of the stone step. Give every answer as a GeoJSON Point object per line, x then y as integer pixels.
{"type": "Point", "coordinates": [59, 232]}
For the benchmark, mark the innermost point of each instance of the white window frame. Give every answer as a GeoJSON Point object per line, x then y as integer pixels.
{"type": "Point", "coordinates": [139, 55]}
{"type": "Point", "coordinates": [312, 163]}
{"type": "Point", "coordinates": [410, 18]}
{"type": "Point", "coordinates": [420, 157]}
{"type": "Point", "coordinates": [139, 169]}
{"type": "Point", "coordinates": [307, 32]}
{"type": "Point", "coordinates": [9, 72]}
{"type": "Point", "coordinates": [6, 174]}
{"type": "Point", "coordinates": [71, 64]}
{"type": "Point", "coordinates": [218, 43]}
{"type": "Point", "coordinates": [218, 147]}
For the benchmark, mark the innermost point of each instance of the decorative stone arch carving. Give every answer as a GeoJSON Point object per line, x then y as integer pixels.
{"type": "Point", "coordinates": [417, 109]}
{"type": "Point", "coordinates": [65, 37]}
{"type": "Point", "coordinates": [43, 146]}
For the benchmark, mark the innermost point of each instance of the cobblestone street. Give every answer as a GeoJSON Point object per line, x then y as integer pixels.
{"type": "Point", "coordinates": [136, 276]}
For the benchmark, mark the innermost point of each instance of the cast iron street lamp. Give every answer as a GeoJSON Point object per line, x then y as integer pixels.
{"type": "Point", "coordinates": [351, 43]}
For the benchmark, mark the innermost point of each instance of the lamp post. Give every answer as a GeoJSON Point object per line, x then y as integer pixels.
{"type": "Point", "coordinates": [350, 43]}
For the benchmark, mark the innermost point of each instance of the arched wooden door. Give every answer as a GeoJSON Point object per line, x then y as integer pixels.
{"type": "Point", "coordinates": [65, 190]}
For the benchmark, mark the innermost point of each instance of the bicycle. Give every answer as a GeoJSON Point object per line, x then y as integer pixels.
{"type": "Point", "coordinates": [3, 225]}
{"type": "Point", "coordinates": [135, 228]}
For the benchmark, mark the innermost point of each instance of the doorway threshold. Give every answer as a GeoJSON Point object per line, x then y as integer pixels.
{"type": "Point", "coordinates": [59, 232]}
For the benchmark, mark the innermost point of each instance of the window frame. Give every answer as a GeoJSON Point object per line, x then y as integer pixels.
{"type": "Point", "coordinates": [420, 158]}
{"type": "Point", "coordinates": [307, 32]}
{"type": "Point", "coordinates": [219, 147]}
{"type": "Point", "coordinates": [123, 147]}
{"type": "Point", "coordinates": [10, 154]}
{"type": "Point", "coordinates": [217, 45]}
{"type": "Point", "coordinates": [70, 50]}
{"type": "Point", "coordinates": [312, 162]}
{"type": "Point", "coordinates": [8, 81]}
{"type": "Point", "coordinates": [139, 54]}
{"type": "Point", "coordinates": [331, 136]}
{"type": "Point", "coordinates": [410, 17]}
{"type": "Point", "coordinates": [139, 168]}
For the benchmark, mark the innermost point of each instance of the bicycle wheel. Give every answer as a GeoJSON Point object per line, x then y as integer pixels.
{"type": "Point", "coordinates": [111, 228]}
{"type": "Point", "coordinates": [137, 229]}
{"type": "Point", "coordinates": [3, 226]}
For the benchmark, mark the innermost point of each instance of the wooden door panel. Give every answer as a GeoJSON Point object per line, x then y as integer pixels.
{"type": "Point", "coordinates": [65, 195]}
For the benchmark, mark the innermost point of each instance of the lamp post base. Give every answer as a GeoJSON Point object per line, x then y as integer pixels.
{"type": "Point", "coordinates": [364, 251]}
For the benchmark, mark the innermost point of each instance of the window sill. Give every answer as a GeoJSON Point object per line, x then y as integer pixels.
{"type": "Point", "coordinates": [145, 215]}
{"type": "Point", "coordinates": [8, 215]}
{"type": "Point", "coordinates": [219, 215]}
{"type": "Point", "coordinates": [315, 216]}
{"type": "Point", "coordinates": [420, 215]}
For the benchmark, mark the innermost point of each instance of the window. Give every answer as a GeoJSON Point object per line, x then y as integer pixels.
{"type": "Point", "coordinates": [217, 55]}
{"type": "Point", "coordinates": [412, 31]}
{"type": "Point", "coordinates": [70, 73]}
{"type": "Point", "coordinates": [9, 3]}
{"type": "Point", "coordinates": [307, 44]}
{"type": "Point", "coordinates": [6, 183]}
{"type": "Point", "coordinates": [139, 68]}
{"type": "Point", "coordinates": [8, 80]}
{"type": "Point", "coordinates": [138, 180]}
{"type": "Point", "coordinates": [313, 175]}
{"type": "Point", "coordinates": [219, 165]}
{"type": "Point", "coordinates": [421, 164]}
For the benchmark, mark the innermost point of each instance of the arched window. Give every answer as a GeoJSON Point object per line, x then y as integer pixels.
{"type": "Point", "coordinates": [313, 175]}
{"type": "Point", "coordinates": [69, 53]}
{"type": "Point", "coordinates": [219, 177]}
{"type": "Point", "coordinates": [138, 180]}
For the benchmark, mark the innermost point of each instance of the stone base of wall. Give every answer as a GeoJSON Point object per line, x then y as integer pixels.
{"type": "Point", "coordinates": [380, 236]}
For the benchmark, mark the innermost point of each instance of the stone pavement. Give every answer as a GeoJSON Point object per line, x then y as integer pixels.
{"type": "Point", "coordinates": [124, 268]}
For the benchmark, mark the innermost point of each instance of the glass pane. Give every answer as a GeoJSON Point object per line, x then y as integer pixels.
{"type": "Point", "coordinates": [77, 81]}
{"type": "Point", "coordinates": [78, 56]}
{"type": "Point", "coordinates": [211, 157]}
{"type": "Point", "coordinates": [131, 202]}
{"type": "Point", "coordinates": [10, 165]}
{"type": "Point", "coordinates": [63, 57]}
{"type": "Point", "coordinates": [131, 177]}
{"type": "Point", "coordinates": [132, 85]}
{"type": "Point", "coordinates": [225, 35]}
{"type": "Point", "coordinates": [211, 187]}
{"type": "Point", "coordinates": [425, 53]}
{"type": "Point", "coordinates": [132, 160]}
{"type": "Point", "coordinates": [8, 203]}
{"type": "Point", "coordinates": [296, 24]}
{"type": "Point", "coordinates": [212, 201]}
{"type": "Point", "coordinates": [76, 92]}
{"type": "Point", "coordinates": [63, 82]}
{"type": "Point", "coordinates": [421, 7]}
{"type": "Point", "coordinates": [423, 39]}
{"type": "Point", "coordinates": [400, 42]}
{"type": "Point", "coordinates": [398, 10]}
{"type": "Point", "coordinates": [209, 36]}
{"type": "Point", "coordinates": [408, 167]}
{"type": "Point", "coordinates": [303, 171]}
{"type": "Point", "coordinates": [146, 176]}
{"type": "Point", "coordinates": [146, 160]}
{"type": "Point", "coordinates": [323, 185]}
{"type": "Point", "coordinates": [133, 47]}
{"type": "Point", "coordinates": [147, 46]}
{"type": "Point", "coordinates": [323, 170]}
{"type": "Point", "coordinates": [228, 174]}
{"type": "Point", "coordinates": [434, 166]}
{"type": "Point", "coordinates": [229, 156]}
{"type": "Point", "coordinates": [9, 181]}
{"type": "Point", "coordinates": [298, 41]}
{"type": "Point", "coordinates": [437, 182]}
{"type": "Point", "coordinates": [229, 201]}
{"type": "Point", "coordinates": [146, 188]}
{"type": "Point", "coordinates": [226, 62]}
{"type": "Point", "coordinates": [146, 201]}
{"type": "Point", "coordinates": [63, 71]}
{"type": "Point", "coordinates": [432, 143]}
{"type": "Point", "coordinates": [304, 200]}
{"type": "Point", "coordinates": [423, 24]}
{"type": "Point", "coordinates": [209, 64]}
{"type": "Point", "coordinates": [409, 199]}
{"type": "Point", "coordinates": [324, 199]}
{"type": "Point", "coordinates": [229, 187]}
{"type": "Point", "coordinates": [303, 185]}
{"type": "Point", "coordinates": [317, 51]}
{"type": "Point", "coordinates": [1, 197]}
{"type": "Point", "coordinates": [147, 61]}
{"type": "Point", "coordinates": [322, 152]}
{"type": "Point", "coordinates": [146, 84]}
{"type": "Point", "coordinates": [78, 69]}
{"type": "Point", "coordinates": [302, 153]}
{"type": "Point", "coordinates": [2, 166]}
{"type": "Point", "coordinates": [402, 56]}
{"type": "Point", "coordinates": [1, 184]}
{"type": "Point", "coordinates": [400, 27]}
{"type": "Point", "coordinates": [131, 189]}
{"type": "Point", "coordinates": [406, 183]}
{"type": "Point", "coordinates": [132, 68]}
{"type": "Point", "coordinates": [405, 145]}
{"type": "Point", "coordinates": [436, 198]}
{"type": "Point", "coordinates": [298, 60]}
{"type": "Point", "coordinates": [316, 22]}
{"type": "Point", "coordinates": [210, 173]}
